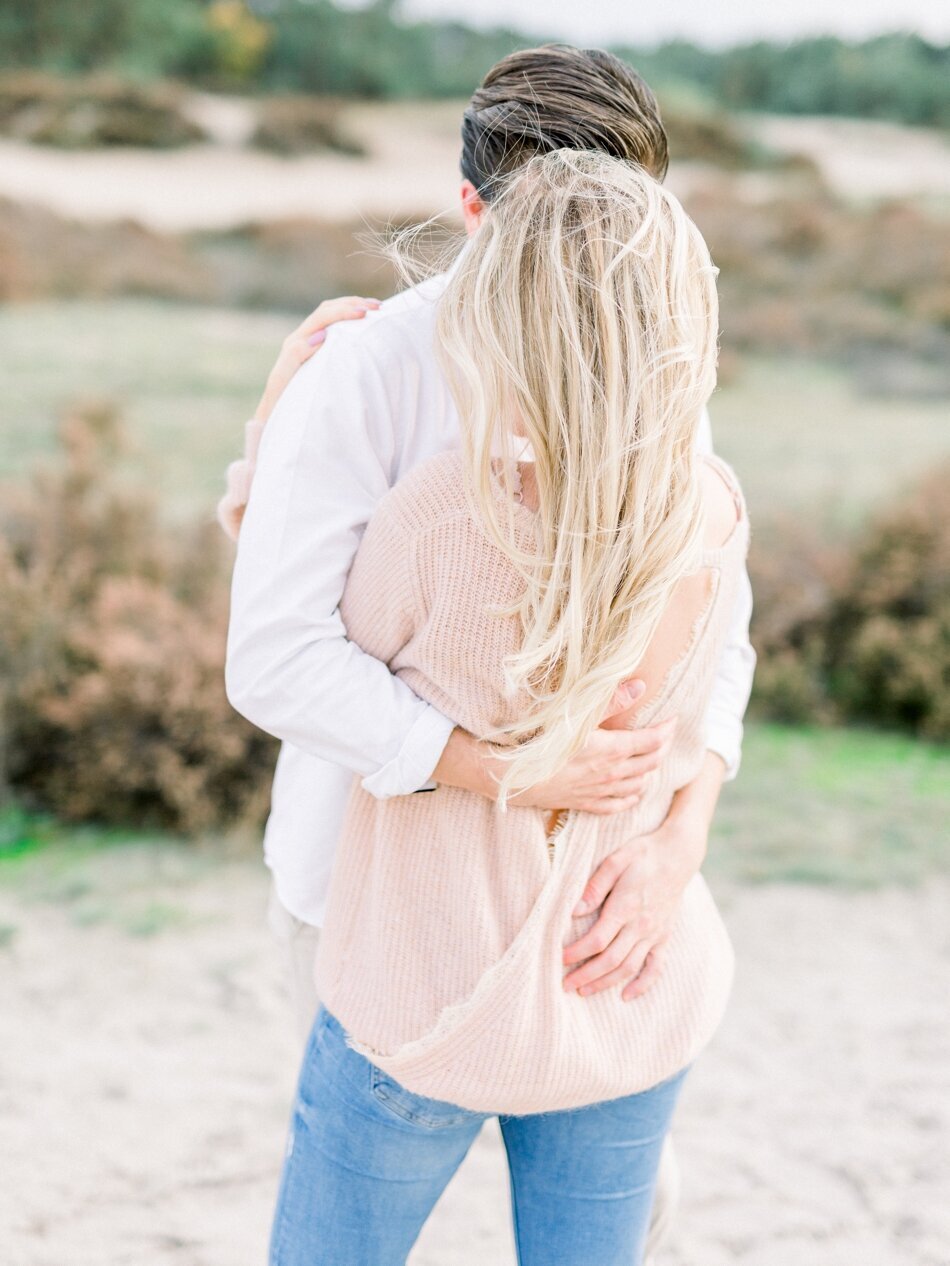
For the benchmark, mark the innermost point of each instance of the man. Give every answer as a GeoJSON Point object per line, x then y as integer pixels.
{"type": "Point", "coordinates": [355, 419]}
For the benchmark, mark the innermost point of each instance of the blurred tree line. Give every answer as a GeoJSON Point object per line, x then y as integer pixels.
{"type": "Point", "coordinates": [898, 76]}
{"type": "Point", "coordinates": [373, 51]}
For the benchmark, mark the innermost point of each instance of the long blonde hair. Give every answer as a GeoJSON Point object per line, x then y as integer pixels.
{"type": "Point", "coordinates": [583, 317]}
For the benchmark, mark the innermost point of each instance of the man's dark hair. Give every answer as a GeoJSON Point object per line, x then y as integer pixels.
{"type": "Point", "coordinates": [557, 97]}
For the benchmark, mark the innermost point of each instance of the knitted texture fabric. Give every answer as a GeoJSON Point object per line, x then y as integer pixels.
{"type": "Point", "coordinates": [240, 476]}
{"type": "Point", "coordinates": [441, 952]}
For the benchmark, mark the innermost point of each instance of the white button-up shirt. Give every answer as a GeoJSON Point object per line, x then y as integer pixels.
{"type": "Point", "coordinates": [355, 418]}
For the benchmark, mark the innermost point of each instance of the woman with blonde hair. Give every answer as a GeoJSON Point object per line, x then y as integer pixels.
{"type": "Point", "coordinates": [576, 541]}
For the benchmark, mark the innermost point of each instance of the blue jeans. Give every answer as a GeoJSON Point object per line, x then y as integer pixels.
{"type": "Point", "coordinates": [367, 1160]}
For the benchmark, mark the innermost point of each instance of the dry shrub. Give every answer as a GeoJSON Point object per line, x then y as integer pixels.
{"type": "Point", "coordinates": [704, 136]}
{"type": "Point", "coordinates": [302, 125]}
{"type": "Point", "coordinates": [793, 574]}
{"type": "Point", "coordinates": [700, 134]}
{"type": "Point", "coordinates": [861, 634]}
{"type": "Point", "coordinates": [44, 254]}
{"type": "Point", "coordinates": [113, 707]}
{"type": "Point", "coordinates": [888, 628]}
{"type": "Point", "coordinates": [286, 264]}
{"type": "Point", "coordinates": [80, 113]}
{"type": "Point", "coordinates": [813, 275]}
{"type": "Point", "coordinates": [291, 263]}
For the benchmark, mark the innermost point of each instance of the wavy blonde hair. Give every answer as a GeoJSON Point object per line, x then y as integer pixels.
{"type": "Point", "coordinates": [583, 317]}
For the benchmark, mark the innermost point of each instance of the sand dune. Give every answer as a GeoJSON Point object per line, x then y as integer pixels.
{"type": "Point", "coordinates": [864, 159]}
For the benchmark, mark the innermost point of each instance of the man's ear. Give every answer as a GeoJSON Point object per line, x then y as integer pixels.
{"type": "Point", "coordinates": [473, 207]}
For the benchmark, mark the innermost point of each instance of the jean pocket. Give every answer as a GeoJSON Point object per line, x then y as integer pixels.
{"type": "Point", "coordinates": [431, 1114]}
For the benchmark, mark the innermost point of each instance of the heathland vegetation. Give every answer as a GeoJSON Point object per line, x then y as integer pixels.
{"type": "Point", "coordinates": [114, 634]}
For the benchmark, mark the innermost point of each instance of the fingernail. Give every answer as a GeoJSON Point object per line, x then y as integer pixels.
{"type": "Point", "coordinates": [581, 908]}
{"type": "Point", "coordinates": [315, 339]}
{"type": "Point", "coordinates": [585, 990]}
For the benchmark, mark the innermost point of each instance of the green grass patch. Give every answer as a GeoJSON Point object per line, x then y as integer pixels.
{"type": "Point", "coordinates": [841, 806]}
{"type": "Point", "coordinates": [102, 876]}
{"type": "Point", "coordinates": [802, 435]}
{"type": "Point", "coordinates": [23, 834]}
{"type": "Point", "coordinates": [185, 378]}
{"type": "Point", "coordinates": [807, 441]}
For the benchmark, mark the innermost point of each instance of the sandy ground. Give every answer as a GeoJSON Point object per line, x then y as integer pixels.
{"type": "Point", "coordinates": [147, 1056]}
{"type": "Point", "coordinates": [412, 169]}
{"type": "Point", "coordinates": [864, 159]}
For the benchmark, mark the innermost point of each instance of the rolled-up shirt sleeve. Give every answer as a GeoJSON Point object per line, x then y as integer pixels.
{"type": "Point", "coordinates": [736, 667]}
{"type": "Point", "coordinates": [326, 459]}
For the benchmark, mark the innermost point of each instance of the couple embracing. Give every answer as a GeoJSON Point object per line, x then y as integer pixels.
{"type": "Point", "coordinates": [491, 594]}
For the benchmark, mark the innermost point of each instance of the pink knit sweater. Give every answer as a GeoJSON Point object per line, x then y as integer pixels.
{"type": "Point", "coordinates": [441, 952]}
